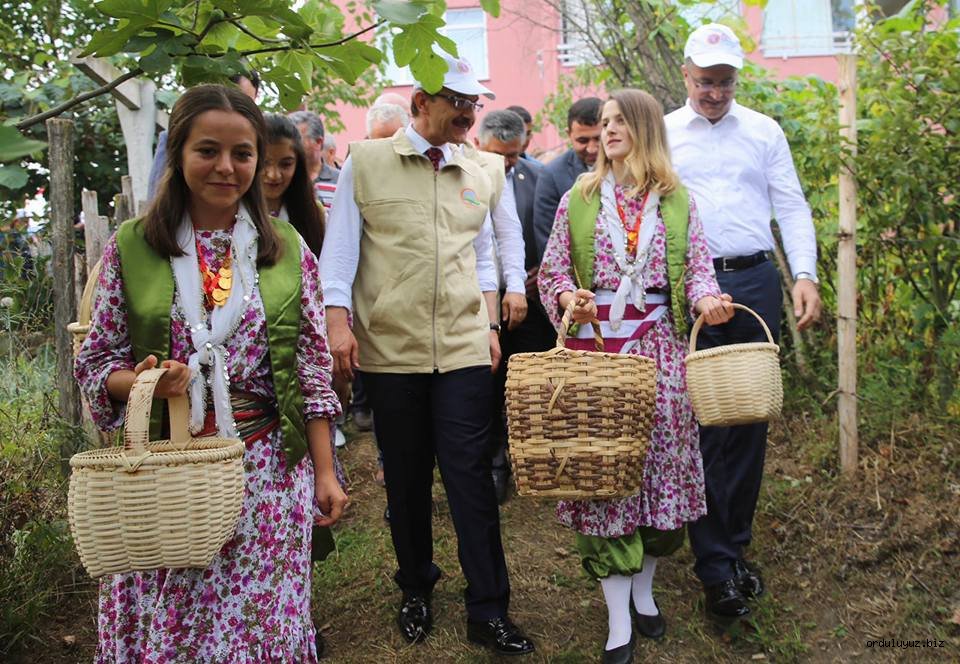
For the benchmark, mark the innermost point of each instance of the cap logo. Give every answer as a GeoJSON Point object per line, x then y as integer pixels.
{"type": "Point", "coordinates": [714, 38]}
{"type": "Point", "coordinates": [469, 196]}
{"type": "Point", "coordinates": [463, 66]}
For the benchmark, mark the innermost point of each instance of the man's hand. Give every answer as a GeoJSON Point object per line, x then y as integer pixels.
{"type": "Point", "coordinates": [806, 303]}
{"type": "Point", "coordinates": [494, 351]}
{"type": "Point", "coordinates": [343, 345]}
{"type": "Point", "coordinates": [513, 309]}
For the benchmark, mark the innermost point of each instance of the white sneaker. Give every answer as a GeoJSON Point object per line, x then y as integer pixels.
{"type": "Point", "coordinates": [338, 438]}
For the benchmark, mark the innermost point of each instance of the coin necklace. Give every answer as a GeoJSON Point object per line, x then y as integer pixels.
{"type": "Point", "coordinates": [633, 234]}
{"type": "Point", "coordinates": [216, 285]}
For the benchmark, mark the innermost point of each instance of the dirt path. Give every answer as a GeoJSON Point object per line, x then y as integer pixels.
{"type": "Point", "coordinates": [845, 563]}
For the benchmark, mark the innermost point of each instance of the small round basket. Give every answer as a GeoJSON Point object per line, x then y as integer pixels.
{"type": "Point", "coordinates": [579, 421]}
{"type": "Point", "coordinates": [735, 384]}
{"type": "Point", "coordinates": [147, 505]}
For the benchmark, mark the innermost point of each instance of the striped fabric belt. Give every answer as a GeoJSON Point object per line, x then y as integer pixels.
{"type": "Point", "coordinates": [255, 416]}
{"type": "Point", "coordinates": [635, 324]}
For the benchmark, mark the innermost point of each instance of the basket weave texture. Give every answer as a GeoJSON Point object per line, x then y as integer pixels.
{"type": "Point", "coordinates": [579, 421]}
{"type": "Point", "coordinates": [735, 384]}
{"type": "Point", "coordinates": [147, 505]}
{"type": "Point", "coordinates": [81, 327]}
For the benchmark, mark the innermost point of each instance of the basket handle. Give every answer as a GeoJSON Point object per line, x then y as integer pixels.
{"type": "Point", "coordinates": [699, 323]}
{"type": "Point", "coordinates": [567, 321]}
{"type": "Point", "coordinates": [136, 425]}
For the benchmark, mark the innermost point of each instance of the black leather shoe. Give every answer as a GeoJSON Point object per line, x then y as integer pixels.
{"type": "Point", "coordinates": [415, 618]}
{"type": "Point", "coordinates": [651, 627]}
{"type": "Point", "coordinates": [748, 579]}
{"type": "Point", "coordinates": [499, 635]}
{"type": "Point", "coordinates": [724, 600]}
{"type": "Point", "coordinates": [321, 646]}
{"type": "Point", "coordinates": [621, 654]}
{"type": "Point", "coordinates": [501, 484]}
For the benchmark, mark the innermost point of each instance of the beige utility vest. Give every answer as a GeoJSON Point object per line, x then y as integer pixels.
{"type": "Point", "coordinates": [416, 299]}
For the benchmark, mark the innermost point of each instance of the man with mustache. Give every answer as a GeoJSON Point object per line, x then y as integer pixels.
{"type": "Point", "coordinates": [737, 163]}
{"type": "Point", "coordinates": [408, 251]}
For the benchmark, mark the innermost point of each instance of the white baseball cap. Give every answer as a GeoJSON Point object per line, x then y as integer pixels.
{"type": "Point", "coordinates": [461, 78]}
{"type": "Point", "coordinates": [714, 44]}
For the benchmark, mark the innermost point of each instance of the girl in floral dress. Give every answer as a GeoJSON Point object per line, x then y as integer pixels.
{"type": "Point", "coordinates": [230, 302]}
{"type": "Point", "coordinates": [629, 235]}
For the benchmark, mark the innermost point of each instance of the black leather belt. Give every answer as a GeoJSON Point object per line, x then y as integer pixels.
{"type": "Point", "coordinates": [733, 263]}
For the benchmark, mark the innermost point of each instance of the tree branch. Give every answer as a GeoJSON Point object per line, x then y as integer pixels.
{"type": "Point", "coordinates": [292, 47]}
{"type": "Point", "coordinates": [79, 99]}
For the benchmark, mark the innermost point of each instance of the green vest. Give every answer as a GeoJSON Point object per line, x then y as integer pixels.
{"type": "Point", "coordinates": [148, 289]}
{"type": "Point", "coordinates": [675, 209]}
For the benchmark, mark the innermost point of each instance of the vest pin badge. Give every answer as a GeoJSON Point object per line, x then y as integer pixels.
{"type": "Point", "coordinates": [469, 196]}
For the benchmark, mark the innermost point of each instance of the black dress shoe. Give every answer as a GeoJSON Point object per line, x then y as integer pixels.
{"type": "Point", "coordinates": [724, 600]}
{"type": "Point", "coordinates": [621, 654]}
{"type": "Point", "coordinates": [652, 627]}
{"type": "Point", "coordinates": [748, 579]}
{"type": "Point", "coordinates": [415, 618]}
{"type": "Point", "coordinates": [499, 635]}
{"type": "Point", "coordinates": [501, 484]}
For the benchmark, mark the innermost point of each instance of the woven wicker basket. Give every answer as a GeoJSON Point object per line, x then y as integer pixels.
{"type": "Point", "coordinates": [579, 421]}
{"type": "Point", "coordinates": [81, 327]}
{"type": "Point", "coordinates": [735, 384]}
{"type": "Point", "coordinates": [147, 505]}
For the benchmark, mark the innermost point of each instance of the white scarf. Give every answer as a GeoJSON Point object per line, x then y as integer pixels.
{"type": "Point", "coordinates": [631, 279]}
{"type": "Point", "coordinates": [209, 347]}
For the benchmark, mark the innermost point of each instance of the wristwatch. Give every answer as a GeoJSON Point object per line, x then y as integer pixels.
{"type": "Point", "coordinates": [495, 327]}
{"type": "Point", "coordinates": [806, 275]}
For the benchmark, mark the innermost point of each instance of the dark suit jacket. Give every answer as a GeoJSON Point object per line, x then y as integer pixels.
{"type": "Point", "coordinates": [556, 179]}
{"type": "Point", "coordinates": [525, 176]}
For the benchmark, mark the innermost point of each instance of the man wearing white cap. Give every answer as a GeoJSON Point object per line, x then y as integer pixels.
{"type": "Point", "coordinates": [408, 251]}
{"type": "Point", "coordinates": [738, 165]}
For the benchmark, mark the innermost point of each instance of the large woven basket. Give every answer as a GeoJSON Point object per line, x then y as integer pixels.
{"type": "Point", "coordinates": [81, 327]}
{"type": "Point", "coordinates": [579, 421]}
{"type": "Point", "coordinates": [147, 505]}
{"type": "Point", "coordinates": [735, 384]}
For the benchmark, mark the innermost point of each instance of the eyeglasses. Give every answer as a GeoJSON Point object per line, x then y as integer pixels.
{"type": "Point", "coordinates": [460, 103]}
{"type": "Point", "coordinates": [725, 85]}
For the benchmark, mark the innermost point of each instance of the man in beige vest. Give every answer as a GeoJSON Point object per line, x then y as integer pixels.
{"type": "Point", "coordinates": [409, 253]}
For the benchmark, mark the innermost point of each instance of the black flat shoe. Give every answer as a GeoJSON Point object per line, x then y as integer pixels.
{"type": "Point", "coordinates": [321, 646]}
{"type": "Point", "coordinates": [499, 635]}
{"type": "Point", "coordinates": [415, 618]}
{"type": "Point", "coordinates": [651, 627]}
{"type": "Point", "coordinates": [748, 579]}
{"type": "Point", "coordinates": [725, 601]}
{"type": "Point", "coordinates": [621, 654]}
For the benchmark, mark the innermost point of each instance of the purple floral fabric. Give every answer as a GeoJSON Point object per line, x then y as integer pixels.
{"type": "Point", "coordinates": [253, 603]}
{"type": "Point", "coordinates": [673, 489]}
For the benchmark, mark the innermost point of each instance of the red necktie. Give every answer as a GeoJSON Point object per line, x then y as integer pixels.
{"type": "Point", "coordinates": [435, 155]}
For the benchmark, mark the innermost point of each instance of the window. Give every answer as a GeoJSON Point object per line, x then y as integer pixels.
{"type": "Point", "coordinates": [807, 27]}
{"type": "Point", "coordinates": [468, 29]}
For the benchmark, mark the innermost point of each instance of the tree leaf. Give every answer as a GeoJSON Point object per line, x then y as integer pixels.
{"type": "Point", "coordinates": [13, 176]}
{"type": "Point", "coordinates": [399, 11]}
{"type": "Point", "coordinates": [13, 144]}
{"type": "Point", "coordinates": [492, 7]}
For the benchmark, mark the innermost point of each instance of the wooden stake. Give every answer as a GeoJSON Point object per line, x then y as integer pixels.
{"type": "Point", "coordinates": [60, 136]}
{"type": "Point", "coordinates": [847, 269]}
{"type": "Point", "coordinates": [96, 231]}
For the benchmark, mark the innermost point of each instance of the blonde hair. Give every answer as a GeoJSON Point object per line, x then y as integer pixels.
{"type": "Point", "coordinates": [649, 159]}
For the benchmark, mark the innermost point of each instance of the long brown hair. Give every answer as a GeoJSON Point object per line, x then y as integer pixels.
{"type": "Point", "coordinates": [649, 159]}
{"type": "Point", "coordinates": [166, 211]}
{"type": "Point", "coordinates": [305, 214]}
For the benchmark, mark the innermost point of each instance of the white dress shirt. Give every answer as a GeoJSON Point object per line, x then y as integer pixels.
{"type": "Point", "coordinates": [740, 171]}
{"type": "Point", "coordinates": [508, 234]}
{"type": "Point", "coordinates": [341, 243]}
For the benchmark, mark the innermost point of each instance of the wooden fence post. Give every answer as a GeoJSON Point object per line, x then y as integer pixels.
{"type": "Point", "coordinates": [847, 269]}
{"type": "Point", "coordinates": [60, 136]}
{"type": "Point", "coordinates": [96, 230]}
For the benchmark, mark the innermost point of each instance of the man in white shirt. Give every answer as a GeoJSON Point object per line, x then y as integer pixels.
{"type": "Point", "coordinates": [408, 250]}
{"type": "Point", "coordinates": [737, 164]}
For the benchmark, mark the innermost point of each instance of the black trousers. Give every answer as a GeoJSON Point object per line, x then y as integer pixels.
{"type": "Point", "coordinates": [444, 418]}
{"type": "Point", "coordinates": [534, 334]}
{"type": "Point", "coordinates": [733, 456]}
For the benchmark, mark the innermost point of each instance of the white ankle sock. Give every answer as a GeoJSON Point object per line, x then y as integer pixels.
{"type": "Point", "coordinates": [616, 592]}
{"type": "Point", "coordinates": [643, 588]}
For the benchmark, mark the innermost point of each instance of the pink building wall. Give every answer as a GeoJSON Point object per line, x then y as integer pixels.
{"type": "Point", "coordinates": [524, 67]}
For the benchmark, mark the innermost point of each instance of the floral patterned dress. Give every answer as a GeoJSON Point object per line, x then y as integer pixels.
{"type": "Point", "coordinates": [252, 605]}
{"type": "Point", "coordinates": [673, 490]}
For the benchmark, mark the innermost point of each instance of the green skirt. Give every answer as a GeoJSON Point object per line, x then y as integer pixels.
{"type": "Point", "coordinates": [623, 556]}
